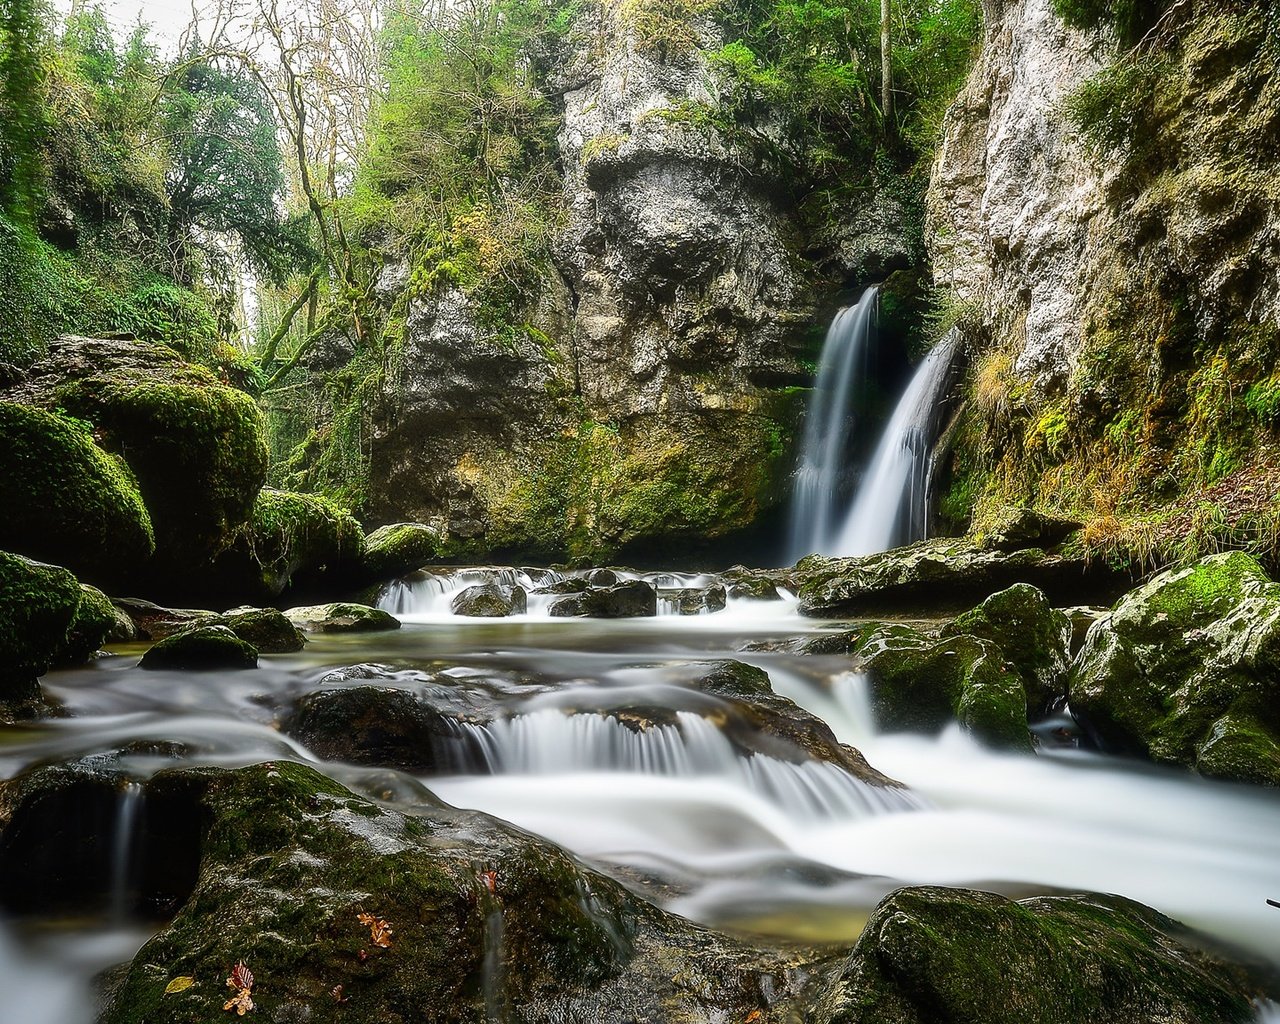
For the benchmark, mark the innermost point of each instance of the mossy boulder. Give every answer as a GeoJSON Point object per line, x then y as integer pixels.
{"type": "Point", "coordinates": [67, 499]}
{"type": "Point", "coordinates": [1032, 635]}
{"type": "Point", "coordinates": [93, 623]}
{"type": "Point", "coordinates": [489, 601]}
{"type": "Point", "coordinates": [486, 922]}
{"type": "Point", "coordinates": [946, 575]}
{"type": "Point", "coordinates": [756, 584]}
{"type": "Point", "coordinates": [38, 604]}
{"type": "Point", "coordinates": [629, 599]}
{"type": "Point", "coordinates": [267, 629]}
{"type": "Point", "coordinates": [299, 542]}
{"type": "Point", "coordinates": [200, 648]}
{"type": "Point", "coordinates": [698, 600]}
{"type": "Point", "coordinates": [398, 549]}
{"type": "Point", "coordinates": [1186, 671]}
{"type": "Point", "coordinates": [341, 617]}
{"type": "Point", "coordinates": [194, 445]}
{"type": "Point", "coordinates": [921, 683]}
{"type": "Point", "coordinates": [930, 955]}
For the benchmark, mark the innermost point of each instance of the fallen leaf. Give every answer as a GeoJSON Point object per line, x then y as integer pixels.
{"type": "Point", "coordinates": [179, 984]}
{"type": "Point", "coordinates": [241, 976]}
{"type": "Point", "coordinates": [379, 931]}
{"type": "Point", "coordinates": [753, 1016]}
{"type": "Point", "coordinates": [241, 1002]}
{"type": "Point", "coordinates": [490, 880]}
{"type": "Point", "coordinates": [336, 992]}
{"type": "Point", "coordinates": [242, 981]}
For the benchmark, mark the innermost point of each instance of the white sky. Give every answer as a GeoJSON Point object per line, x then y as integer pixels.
{"type": "Point", "coordinates": [167, 17]}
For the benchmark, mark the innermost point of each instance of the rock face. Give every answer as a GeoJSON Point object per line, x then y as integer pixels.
{"type": "Point", "coordinates": [1185, 670]}
{"type": "Point", "coordinates": [931, 955]}
{"type": "Point", "coordinates": [652, 407]}
{"type": "Point", "coordinates": [1110, 221]}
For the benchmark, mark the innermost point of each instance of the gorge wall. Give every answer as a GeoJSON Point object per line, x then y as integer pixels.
{"type": "Point", "coordinates": [649, 403]}
{"type": "Point", "coordinates": [1104, 213]}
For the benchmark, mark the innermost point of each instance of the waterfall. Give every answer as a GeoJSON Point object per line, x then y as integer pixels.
{"type": "Point", "coordinates": [891, 507]}
{"type": "Point", "coordinates": [842, 370]}
{"type": "Point", "coordinates": [122, 852]}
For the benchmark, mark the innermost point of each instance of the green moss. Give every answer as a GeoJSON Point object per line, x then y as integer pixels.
{"type": "Point", "coordinates": [1208, 591]}
{"type": "Point", "coordinates": [195, 446]}
{"type": "Point", "coordinates": [94, 620]}
{"type": "Point", "coordinates": [67, 499]}
{"type": "Point", "coordinates": [200, 648]}
{"type": "Point", "coordinates": [399, 548]}
{"type": "Point", "coordinates": [38, 603]}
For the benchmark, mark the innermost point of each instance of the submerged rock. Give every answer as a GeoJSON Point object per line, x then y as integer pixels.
{"type": "Point", "coordinates": [944, 575]}
{"type": "Point", "coordinates": [298, 878]}
{"type": "Point", "coordinates": [200, 648]}
{"type": "Point", "coordinates": [630, 599]}
{"type": "Point", "coordinates": [1032, 635]}
{"type": "Point", "coordinates": [68, 500]}
{"type": "Point", "coordinates": [341, 617]}
{"type": "Point", "coordinates": [489, 601]}
{"type": "Point", "coordinates": [396, 550]}
{"type": "Point", "coordinates": [932, 955]}
{"type": "Point", "coordinates": [1186, 670]}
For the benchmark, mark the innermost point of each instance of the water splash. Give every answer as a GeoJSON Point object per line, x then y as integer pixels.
{"type": "Point", "coordinates": [842, 370]}
{"type": "Point", "coordinates": [892, 504]}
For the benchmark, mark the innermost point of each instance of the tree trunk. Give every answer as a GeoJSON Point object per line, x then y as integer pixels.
{"type": "Point", "coordinates": [886, 68]}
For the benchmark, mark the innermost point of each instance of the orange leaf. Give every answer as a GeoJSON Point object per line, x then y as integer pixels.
{"type": "Point", "coordinates": [241, 1002]}
{"type": "Point", "coordinates": [379, 931]}
{"type": "Point", "coordinates": [490, 880]}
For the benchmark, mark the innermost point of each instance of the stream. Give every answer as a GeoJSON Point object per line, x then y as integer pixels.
{"type": "Point", "coordinates": [754, 845]}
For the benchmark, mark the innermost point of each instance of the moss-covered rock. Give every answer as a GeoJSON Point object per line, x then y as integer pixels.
{"type": "Point", "coordinates": [629, 599]}
{"type": "Point", "coordinates": [920, 683]}
{"type": "Point", "coordinates": [38, 603]}
{"type": "Point", "coordinates": [930, 955]}
{"type": "Point", "coordinates": [194, 445]}
{"type": "Point", "coordinates": [1032, 635]}
{"type": "Point", "coordinates": [200, 648]}
{"type": "Point", "coordinates": [483, 919]}
{"type": "Point", "coordinates": [91, 626]}
{"type": "Point", "coordinates": [698, 600]}
{"type": "Point", "coordinates": [67, 499]}
{"type": "Point", "coordinates": [301, 542]}
{"type": "Point", "coordinates": [946, 575]}
{"type": "Point", "coordinates": [1186, 670]}
{"type": "Point", "coordinates": [756, 584]}
{"type": "Point", "coordinates": [489, 601]}
{"type": "Point", "coordinates": [392, 551]}
{"type": "Point", "coordinates": [341, 617]}
{"type": "Point", "coordinates": [267, 629]}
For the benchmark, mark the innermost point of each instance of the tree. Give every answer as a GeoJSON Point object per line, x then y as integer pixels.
{"type": "Point", "coordinates": [886, 67]}
{"type": "Point", "coordinates": [21, 111]}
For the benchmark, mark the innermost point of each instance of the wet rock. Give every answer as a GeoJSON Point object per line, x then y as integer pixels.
{"type": "Point", "coordinates": [944, 575]}
{"type": "Point", "coordinates": [921, 683]}
{"type": "Point", "coordinates": [386, 727]}
{"type": "Point", "coordinates": [200, 648]}
{"type": "Point", "coordinates": [395, 550]}
{"type": "Point", "coordinates": [568, 585]}
{"type": "Point", "coordinates": [93, 623]}
{"type": "Point", "coordinates": [38, 604]}
{"type": "Point", "coordinates": [1032, 635]}
{"type": "Point", "coordinates": [1021, 528]}
{"type": "Point", "coordinates": [341, 617]}
{"type": "Point", "coordinates": [631, 599]}
{"type": "Point", "coordinates": [756, 584]}
{"type": "Point", "coordinates": [267, 629]}
{"type": "Point", "coordinates": [698, 600]}
{"type": "Point", "coordinates": [67, 499]}
{"type": "Point", "coordinates": [1082, 617]}
{"type": "Point", "coordinates": [489, 601]}
{"type": "Point", "coordinates": [155, 622]}
{"type": "Point", "coordinates": [1186, 670]}
{"type": "Point", "coordinates": [288, 861]}
{"type": "Point", "coordinates": [602, 578]}
{"type": "Point", "coordinates": [931, 954]}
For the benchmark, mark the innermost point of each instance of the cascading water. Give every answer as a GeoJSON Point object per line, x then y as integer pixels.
{"type": "Point", "coordinates": [891, 507]}
{"type": "Point", "coordinates": [841, 372]}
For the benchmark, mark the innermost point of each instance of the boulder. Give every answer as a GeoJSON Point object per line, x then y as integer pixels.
{"type": "Point", "coordinates": [602, 578]}
{"type": "Point", "coordinates": [94, 622]}
{"type": "Point", "coordinates": [697, 600]}
{"type": "Point", "coordinates": [194, 445]}
{"type": "Point", "coordinates": [38, 604]}
{"type": "Point", "coordinates": [1032, 635]}
{"type": "Point", "coordinates": [489, 601]}
{"type": "Point", "coordinates": [267, 629]}
{"type": "Point", "coordinates": [155, 622]}
{"type": "Point", "coordinates": [200, 648]}
{"type": "Point", "coordinates": [67, 499]}
{"type": "Point", "coordinates": [392, 551]}
{"type": "Point", "coordinates": [630, 599]}
{"type": "Point", "coordinates": [347, 912]}
{"type": "Point", "coordinates": [1186, 671]}
{"type": "Point", "coordinates": [341, 617]}
{"type": "Point", "coordinates": [921, 683]}
{"type": "Point", "coordinates": [939, 576]}
{"type": "Point", "coordinates": [931, 955]}
{"type": "Point", "coordinates": [297, 542]}
{"type": "Point", "coordinates": [1019, 528]}
{"type": "Point", "coordinates": [756, 584]}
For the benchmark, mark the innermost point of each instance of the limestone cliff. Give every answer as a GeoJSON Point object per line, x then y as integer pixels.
{"type": "Point", "coordinates": [651, 402]}
{"type": "Point", "coordinates": [1107, 219]}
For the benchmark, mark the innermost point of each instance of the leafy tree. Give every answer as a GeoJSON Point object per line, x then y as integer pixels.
{"type": "Point", "coordinates": [22, 119]}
